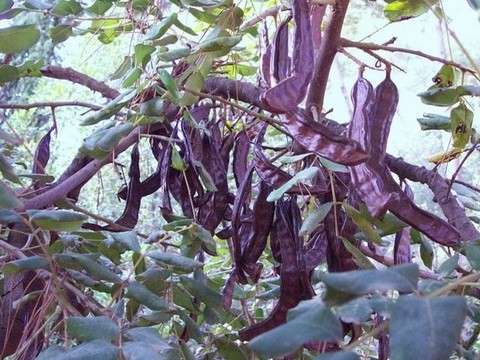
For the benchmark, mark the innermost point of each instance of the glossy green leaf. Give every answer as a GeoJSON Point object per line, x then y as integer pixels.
{"type": "Point", "coordinates": [57, 220]}
{"type": "Point", "coordinates": [147, 335]}
{"type": "Point", "coordinates": [170, 84]}
{"type": "Point", "coordinates": [313, 219]}
{"type": "Point", "coordinates": [18, 38]}
{"type": "Point", "coordinates": [426, 248]}
{"type": "Point", "coordinates": [83, 262]}
{"type": "Point", "coordinates": [29, 263]}
{"type": "Point", "coordinates": [359, 258]}
{"type": "Point", "coordinates": [102, 142]}
{"type": "Point", "coordinates": [363, 223]}
{"type": "Point", "coordinates": [301, 176]}
{"type": "Point", "coordinates": [92, 350]}
{"type": "Point", "coordinates": [66, 7]}
{"type": "Point", "coordinates": [153, 107]}
{"type": "Point", "coordinates": [177, 261]}
{"type": "Point", "coordinates": [60, 33]}
{"type": "Point", "coordinates": [131, 77]}
{"type": "Point", "coordinates": [157, 31]}
{"type": "Point", "coordinates": [194, 82]}
{"type": "Point", "coordinates": [91, 328]}
{"type": "Point", "coordinates": [99, 7]}
{"type": "Point", "coordinates": [405, 9]}
{"type": "Point", "coordinates": [202, 292]}
{"type": "Point", "coordinates": [7, 170]}
{"type": "Point", "coordinates": [193, 329]}
{"type": "Point", "coordinates": [448, 266]}
{"type": "Point", "coordinates": [434, 122]}
{"type": "Point", "coordinates": [229, 349]}
{"type": "Point", "coordinates": [184, 27]}
{"type": "Point", "coordinates": [218, 44]}
{"type": "Point", "coordinates": [205, 177]}
{"type": "Point", "coordinates": [444, 96]}
{"type": "Point", "coordinates": [142, 54]}
{"type": "Point", "coordinates": [8, 73]}
{"type": "Point", "coordinates": [8, 200]}
{"type": "Point", "coordinates": [356, 311]}
{"type": "Point", "coordinates": [177, 161]}
{"type": "Point", "coordinates": [11, 13]}
{"type": "Point", "coordinates": [333, 166]}
{"type": "Point", "coordinates": [184, 300]}
{"type": "Point", "coordinates": [309, 321]}
{"type": "Point", "coordinates": [141, 350]}
{"type": "Point", "coordinates": [128, 239]}
{"type": "Point", "coordinates": [166, 40]}
{"type": "Point", "coordinates": [174, 54]}
{"type": "Point", "coordinates": [346, 285]}
{"type": "Point", "coordinates": [112, 108]}
{"type": "Point", "coordinates": [436, 325]}
{"type": "Point", "coordinates": [472, 252]}
{"type": "Point", "coordinates": [143, 295]}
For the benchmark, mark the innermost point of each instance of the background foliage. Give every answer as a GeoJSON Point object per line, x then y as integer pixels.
{"type": "Point", "coordinates": [185, 189]}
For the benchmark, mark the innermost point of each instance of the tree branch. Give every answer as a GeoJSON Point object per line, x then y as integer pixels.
{"type": "Point", "coordinates": [233, 89]}
{"type": "Point", "coordinates": [452, 210]}
{"type": "Point", "coordinates": [273, 11]}
{"type": "Point", "coordinates": [326, 54]}
{"type": "Point", "coordinates": [49, 104]}
{"type": "Point", "coordinates": [375, 47]}
{"type": "Point", "coordinates": [84, 173]}
{"type": "Point", "coordinates": [57, 72]}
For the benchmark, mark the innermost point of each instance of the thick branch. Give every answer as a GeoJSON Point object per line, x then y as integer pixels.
{"type": "Point", "coordinates": [84, 174]}
{"type": "Point", "coordinates": [374, 47]}
{"type": "Point", "coordinates": [439, 186]}
{"type": "Point", "coordinates": [233, 89]}
{"type": "Point", "coordinates": [325, 56]}
{"type": "Point", "coordinates": [57, 72]}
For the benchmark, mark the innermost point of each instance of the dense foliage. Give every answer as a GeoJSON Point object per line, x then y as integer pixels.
{"type": "Point", "coordinates": [271, 230]}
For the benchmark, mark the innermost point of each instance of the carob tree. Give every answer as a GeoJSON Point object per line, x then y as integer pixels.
{"type": "Point", "coordinates": [252, 179]}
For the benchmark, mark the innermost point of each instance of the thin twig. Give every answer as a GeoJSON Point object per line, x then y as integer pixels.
{"type": "Point", "coordinates": [53, 104]}
{"type": "Point", "coordinates": [273, 11]}
{"type": "Point", "coordinates": [470, 151]}
{"type": "Point", "coordinates": [375, 47]}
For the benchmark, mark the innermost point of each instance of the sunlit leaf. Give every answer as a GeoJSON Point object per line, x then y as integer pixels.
{"type": "Point", "coordinates": [157, 31]}
{"type": "Point", "coordinates": [66, 7]}
{"type": "Point", "coordinates": [18, 38]}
